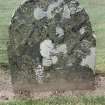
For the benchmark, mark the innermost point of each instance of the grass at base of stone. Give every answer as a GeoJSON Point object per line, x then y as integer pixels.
{"type": "Point", "coordinates": [86, 100]}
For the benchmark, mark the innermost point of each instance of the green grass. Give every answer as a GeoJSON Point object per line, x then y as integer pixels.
{"type": "Point", "coordinates": [95, 9]}
{"type": "Point", "coordinates": [61, 101]}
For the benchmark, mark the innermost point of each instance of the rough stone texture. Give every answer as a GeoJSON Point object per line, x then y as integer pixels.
{"type": "Point", "coordinates": [7, 93]}
{"type": "Point", "coordinates": [51, 40]}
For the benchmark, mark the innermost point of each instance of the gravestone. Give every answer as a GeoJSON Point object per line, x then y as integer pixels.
{"type": "Point", "coordinates": [51, 44]}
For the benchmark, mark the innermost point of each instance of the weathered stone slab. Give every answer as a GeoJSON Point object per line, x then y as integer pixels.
{"type": "Point", "coordinates": [51, 40]}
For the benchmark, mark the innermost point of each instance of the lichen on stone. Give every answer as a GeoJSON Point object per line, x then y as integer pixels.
{"type": "Point", "coordinates": [49, 34]}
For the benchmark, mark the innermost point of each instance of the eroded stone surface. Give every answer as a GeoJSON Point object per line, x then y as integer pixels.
{"type": "Point", "coordinates": [48, 36]}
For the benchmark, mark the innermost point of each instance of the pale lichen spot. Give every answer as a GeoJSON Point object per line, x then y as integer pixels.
{"type": "Point", "coordinates": [66, 12]}
{"type": "Point", "coordinates": [90, 60]}
{"type": "Point", "coordinates": [48, 53]}
{"type": "Point", "coordinates": [39, 13]}
{"type": "Point", "coordinates": [94, 35]}
{"type": "Point", "coordinates": [51, 8]}
{"type": "Point", "coordinates": [46, 47]}
{"type": "Point", "coordinates": [82, 30]}
{"type": "Point", "coordinates": [59, 31]}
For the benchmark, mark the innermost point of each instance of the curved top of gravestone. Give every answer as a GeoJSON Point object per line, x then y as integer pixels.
{"type": "Point", "coordinates": [46, 33]}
